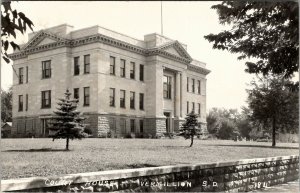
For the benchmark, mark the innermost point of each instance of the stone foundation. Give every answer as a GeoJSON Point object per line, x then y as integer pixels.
{"type": "Point", "coordinates": [236, 176]}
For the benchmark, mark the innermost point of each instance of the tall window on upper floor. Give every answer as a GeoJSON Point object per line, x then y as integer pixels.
{"type": "Point", "coordinates": [199, 87]}
{"type": "Point", "coordinates": [46, 99]}
{"type": "Point", "coordinates": [141, 101]}
{"type": "Point", "coordinates": [21, 75]}
{"type": "Point", "coordinates": [187, 107]}
{"type": "Point", "coordinates": [132, 70]}
{"type": "Point", "coordinates": [193, 85]}
{"type": "Point", "coordinates": [86, 96]}
{"type": "Point", "coordinates": [86, 64]}
{"type": "Point", "coordinates": [132, 100]}
{"type": "Point", "coordinates": [26, 74]}
{"type": "Point", "coordinates": [112, 65]}
{"type": "Point", "coordinates": [20, 103]}
{"type": "Point", "coordinates": [193, 107]}
{"type": "Point", "coordinates": [167, 87]}
{"type": "Point", "coordinates": [199, 109]}
{"type": "Point", "coordinates": [26, 102]}
{"type": "Point", "coordinates": [123, 68]}
{"type": "Point", "coordinates": [141, 72]}
{"type": "Point", "coordinates": [122, 98]}
{"type": "Point", "coordinates": [76, 66]}
{"type": "Point", "coordinates": [112, 97]}
{"type": "Point", "coordinates": [46, 69]}
{"type": "Point", "coordinates": [187, 84]}
{"type": "Point", "coordinates": [76, 93]}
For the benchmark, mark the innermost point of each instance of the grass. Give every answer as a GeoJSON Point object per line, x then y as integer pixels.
{"type": "Point", "coordinates": [42, 157]}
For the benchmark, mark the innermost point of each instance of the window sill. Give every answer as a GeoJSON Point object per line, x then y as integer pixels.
{"type": "Point", "coordinates": [112, 106]}
{"type": "Point", "coordinates": [45, 107]}
{"type": "Point", "coordinates": [123, 107]}
{"type": "Point", "coordinates": [86, 105]}
{"type": "Point", "coordinates": [46, 78]}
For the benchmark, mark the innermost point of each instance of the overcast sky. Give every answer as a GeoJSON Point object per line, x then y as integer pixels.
{"type": "Point", "coordinates": [186, 22]}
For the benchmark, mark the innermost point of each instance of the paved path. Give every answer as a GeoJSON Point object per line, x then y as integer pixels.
{"type": "Point", "coordinates": [292, 187]}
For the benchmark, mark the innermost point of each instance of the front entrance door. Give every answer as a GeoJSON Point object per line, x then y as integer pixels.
{"type": "Point", "coordinates": [168, 121]}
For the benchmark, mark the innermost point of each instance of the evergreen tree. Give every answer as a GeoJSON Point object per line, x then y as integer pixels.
{"type": "Point", "coordinates": [190, 127]}
{"type": "Point", "coordinates": [67, 121]}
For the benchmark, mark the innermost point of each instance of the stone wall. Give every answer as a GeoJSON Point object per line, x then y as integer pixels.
{"type": "Point", "coordinates": [237, 176]}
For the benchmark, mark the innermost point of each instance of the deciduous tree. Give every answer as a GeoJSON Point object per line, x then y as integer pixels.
{"type": "Point", "coordinates": [12, 22]}
{"type": "Point", "coordinates": [262, 30]}
{"type": "Point", "coordinates": [6, 105]}
{"type": "Point", "coordinates": [274, 105]}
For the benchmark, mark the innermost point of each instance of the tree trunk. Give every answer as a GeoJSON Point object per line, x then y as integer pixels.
{"type": "Point", "coordinates": [67, 144]}
{"type": "Point", "coordinates": [274, 132]}
{"type": "Point", "coordinates": [192, 140]}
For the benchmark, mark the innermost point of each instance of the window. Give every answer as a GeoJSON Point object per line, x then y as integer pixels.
{"type": "Point", "coordinates": [187, 84]}
{"type": "Point", "coordinates": [20, 102]}
{"type": "Point", "coordinates": [141, 101]}
{"type": "Point", "coordinates": [199, 86]}
{"type": "Point", "coordinates": [76, 93]}
{"type": "Point", "coordinates": [193, 85]}
{"type": "Point", "coordinates": [187, 107]}
{"type": "Point", "coordinates": [199, 109]}
{"type": "Point", "coordinates": [193, 107]}
{"type": "Point", "coordinates": [132, 70]}
{"type": "Point", "coordinates": [141, 126]}
{"type": "Point", "coordinates": [76, 66]}
{"type": "Point", "coordinates": [112, 97]}
{"type": "Point", "coordinates": [86, 96]}
{"type": "Point", "coordinates": [132, 97]}
{"type": "Point", "coordinates": [122, 68]}
{"type": "Point", "coordinates": [26, 74]}
{"type": "Point", "coordinates": [132, 125]}
{"type": "Point", "coordinates": [21, 75]}
{"type": "Point", "coordinates": [86, 64]}
{"type": "Point", "coordinates": [46, 69]}
{"type": "Point", "coordinates": [141, 72]}
{"type": "Point", "coordinates": [122, 98]}
{"type": "Point", "coordinates": [46, 99]}
{"type": "Point", "coordinates": [167, 87]}
{"type": "Point", "coordinates": [112, 65]}
{"type": "Point", "coordinates": [26, 103]}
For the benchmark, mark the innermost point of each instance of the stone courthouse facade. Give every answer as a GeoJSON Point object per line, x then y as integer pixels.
{"type": "Point", "coordinates": [126, 87]}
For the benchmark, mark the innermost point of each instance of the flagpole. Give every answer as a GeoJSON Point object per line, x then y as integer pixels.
{"type": "Point", "coordinates": [161, 17]}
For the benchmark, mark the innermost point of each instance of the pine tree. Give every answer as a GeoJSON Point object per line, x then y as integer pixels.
{"type": "Point", "coordinates": [190, 127]}
{"type": "Point", "coordinates": [66, 123]}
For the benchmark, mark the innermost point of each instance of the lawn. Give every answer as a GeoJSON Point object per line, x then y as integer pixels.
{"type": "Point", "coordinates": [42, 157]}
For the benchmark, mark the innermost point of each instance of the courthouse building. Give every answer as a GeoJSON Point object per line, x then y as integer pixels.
{"type": "Point", "coordinates": [125, 86]}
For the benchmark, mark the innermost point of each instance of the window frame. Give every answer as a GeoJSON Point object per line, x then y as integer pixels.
{"type": "Point", "coordinates": [132, 71]}
{"type": "Point", "coordinates": [187, 107]}
{"type": "Point", "coordinates": [21, 75]}
{"type": "Point", "coordinates": [122, 100]}
{"type": "Point", "coordinates": [46, 102]}
{"type": "Point", "coordinates": [141, 101]}
{"type": "Point", "coordinates": [167, 87]}
{"type": "Point", "coordinates": [76, 66]}
{"type": "Point", "coordinates": [199, 109]}
{"type": "Point", "coordinates": [142, 68]}
{"type": "Point", "coordinates": [76, 92]}
{"type": "Point", "coordinates": [86, 96]}
{"type": "Point", "coordinates": [187, 84]}
{"type": "Point", "coordinates": [86, 65]}
{"type": "Point", "coordinates": [141, 125]}
{"type": "Point", "coordinates": [112, 102]}
{"type": "Point", "coordinates": [46, 72]}
{"type": "Point", "coordinates": [123, 69]}
{"type": "Point", "coordinates": [132, 126]}
{"type": "Point", "coordinates": [193, 85]}
{"type": "Point", "coordinates": [112, 66]}
{"type": "Point", "coordinates": [199, 86]}
{"type": "Point", "coordinates": [20, 103]}
{"type": "Point", "coordinates": [26, 102]}
{"type": "Point", "coordinates": [26, 74]}
{"type": "Point", "coordinates": [132, 100]}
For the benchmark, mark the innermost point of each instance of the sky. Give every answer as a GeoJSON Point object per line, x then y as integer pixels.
{"type": "Point", "coordinates": [185, 21]}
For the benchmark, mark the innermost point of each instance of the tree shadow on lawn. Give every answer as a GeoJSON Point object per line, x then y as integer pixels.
{"type": "Point", "coordinates": [258, 146]}
{"type": "Point", "coordinates": [35, 150]}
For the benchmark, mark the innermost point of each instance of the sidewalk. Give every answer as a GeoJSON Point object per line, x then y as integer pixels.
{"type": "Point", "coordinates": [292, 187]}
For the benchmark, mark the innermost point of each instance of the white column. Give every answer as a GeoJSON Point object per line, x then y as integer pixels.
{"type": "Point", "coordinates": [177, 95]}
